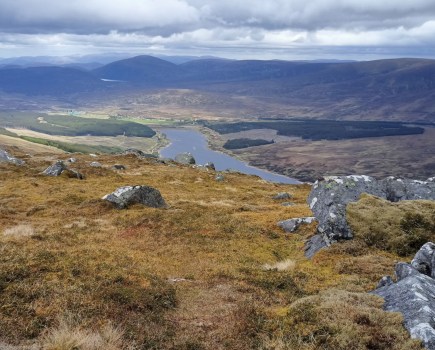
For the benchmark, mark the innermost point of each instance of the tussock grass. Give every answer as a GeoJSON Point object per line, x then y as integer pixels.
{"type": "Point", "coordinates": [401, 228]}
{"type": "Point", "coordinates": [336, 319]}
{"type": "Point", "coordinates": [18, 231]}
{"type": "Point", "coordinates": [103, 265]}
{"type": "Point", "coordinates": [286, 265]}
{"type": "Point", "coordinates": [66, 337]}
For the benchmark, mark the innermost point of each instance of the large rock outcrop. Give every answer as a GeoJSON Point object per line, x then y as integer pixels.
{"type": "Point", "coordinates": [413, 294]}
{"type": "Point", "coordinates": [329, 197]}
{"type": "Point", "coordinates": [125, 196]}
{"type": "Point", "coordinates": [6, 157]}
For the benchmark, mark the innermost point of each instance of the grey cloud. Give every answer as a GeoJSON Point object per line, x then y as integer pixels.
{"type": "Point", "coordinates": [252, 27]}
{"type": "Point", "coordinates": [95, 16]}
{"type": "Point", "coordinates": [164, 17]}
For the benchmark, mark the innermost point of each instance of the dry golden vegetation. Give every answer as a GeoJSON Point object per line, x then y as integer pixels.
{"type": "Point", "coordinates": [401, 227]}
{"type": "Point", "coordinates": [211, 271]}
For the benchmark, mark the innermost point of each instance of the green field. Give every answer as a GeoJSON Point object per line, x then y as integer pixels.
{"type": "Point", "coordinates": [73, 126]}
{"type": "Point", "coordinates": [73, 148]}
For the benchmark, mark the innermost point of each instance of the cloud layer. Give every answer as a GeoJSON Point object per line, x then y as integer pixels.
{"type": "Point", "coordinates": [216, 26]}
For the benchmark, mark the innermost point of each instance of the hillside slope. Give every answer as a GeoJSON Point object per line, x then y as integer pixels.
{"type": "Point", "coordinates": [211, 271]}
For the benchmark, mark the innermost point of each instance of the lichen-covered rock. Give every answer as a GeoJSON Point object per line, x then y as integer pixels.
{"type": "Point", "coordinates": [55, 169]}
{"type": "Point", "coordinates": [413, 295]}
{"type": "Point", "coordinates": [185, 158]}
{"type": "Point", "coordinates": [385, 281]}
{"type": "Point", "coordinates": [96, 165]}
{"type": "Point", "coordinates": [282, 196]}
{"type": "Point", "coordinates": [6, 157]}
{"type": "Point", "coordinates": [314, 244]}
{"type": "Point", "coordinates": [424, 260]}
{"type": "Point", "coordinates": [71, 160]}
{"type": "Point", "coordinates": [291, 225]}
{"type": "Point", "coordinates": [128, 195]}
{"type": "Point", "coordinates": [397, 189]}
{"type": "Point", "coordinates": [328, 199]}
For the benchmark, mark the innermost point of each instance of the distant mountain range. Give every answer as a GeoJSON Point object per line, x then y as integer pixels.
{"type": "Point", "coordinates": [393, 84]}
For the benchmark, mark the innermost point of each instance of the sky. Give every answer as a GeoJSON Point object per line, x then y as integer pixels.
{"type": "Point", "coordinates": [259, 29]}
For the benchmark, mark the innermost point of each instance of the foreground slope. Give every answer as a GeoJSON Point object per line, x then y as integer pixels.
{"type": "Point", "coordinates": [211, 271]}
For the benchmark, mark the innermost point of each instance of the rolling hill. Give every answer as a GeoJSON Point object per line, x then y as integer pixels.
{"type": "Point", "coordinates": [394, 89]}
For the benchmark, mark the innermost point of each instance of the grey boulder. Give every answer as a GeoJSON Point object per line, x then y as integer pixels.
{"type": "Point", "coordinates": [55, 169]}
{"type": "Point", "coordinates": [282, 196]}
{"type": "Point", "coordinates": [291, 225]}
{"type": "Point", "coordinates": [96, 165]}
{"type": "Point", "coordinates": [413, 295]}
{"type": "Point", "coordinates": [5, 157]}
{"type": "Point", "coordinates": [185, 158]}
{"type": "Point", "coordinates": [125, 196]}
{"type": "Point", "coordinates": [74, 174]}
{"type": "Point", "coordinates": [210, 165]}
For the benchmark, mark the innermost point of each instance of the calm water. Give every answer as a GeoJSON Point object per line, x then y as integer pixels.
{"type": "Point", "coordinates": [183, 140]}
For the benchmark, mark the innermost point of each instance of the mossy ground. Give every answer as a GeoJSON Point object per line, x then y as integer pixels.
{"type": "Point", "coordinates": [190, 276]}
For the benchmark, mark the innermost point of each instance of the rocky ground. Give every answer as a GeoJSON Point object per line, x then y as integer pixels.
{"type": "Point", "coordinates": [207, 268]}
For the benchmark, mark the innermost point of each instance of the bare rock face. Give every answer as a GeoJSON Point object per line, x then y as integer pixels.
{"type": "Point", "coordinates": [413, 295]}
{"type": "Point", "coordinates": [185, 158]}
{"type": "Point", "coordinates": [397, 189]}
{"type": "Point", "coordinates": [291, 225]}
{"type": "Point", "coordinates": [328, 200]}
{"type": "Point", "coordinates": [128, 195]}
{"type": "Point", "coordinates": [55, 169]}
{"type": "Point", "coordinates": [6, 157]}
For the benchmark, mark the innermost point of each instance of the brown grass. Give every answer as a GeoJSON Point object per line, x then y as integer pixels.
{"type": "Point", "coordinates": [186, 277]}
{"type": "Point", "coordinates": [401, 227]}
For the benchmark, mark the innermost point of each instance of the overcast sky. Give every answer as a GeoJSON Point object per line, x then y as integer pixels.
{"type": "Point", "coordinates": [264, 29]}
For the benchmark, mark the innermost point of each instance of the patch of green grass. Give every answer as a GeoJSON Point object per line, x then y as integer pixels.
{"type": "Point", "coordinates": [73, 148]}
{"type": "Point", "coordinates": [3, 131]}
{"type": "Point", "coordinates": [74, 126]}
